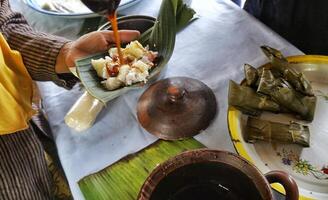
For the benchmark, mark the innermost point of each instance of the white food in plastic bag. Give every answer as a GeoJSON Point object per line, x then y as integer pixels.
{"type": "Point", "coordinates": [84, 112]}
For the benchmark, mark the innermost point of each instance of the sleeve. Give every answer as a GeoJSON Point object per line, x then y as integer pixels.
{"type": "Point", "coordinates": [39, 50]}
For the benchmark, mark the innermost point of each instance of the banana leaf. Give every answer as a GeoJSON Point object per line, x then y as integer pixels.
{"type": "Point", "coordinates": [248, 101]}
{"type": "Point", "coordinates": [267, 82]}
{"type": "Point", "coordinates": [293, 133]}
{"type": "Point", "coordinates": [280, 64]}
{"type": "Point", "coordinates": [251, 75]}
{"type": "Point", "coordinates": [284, 94]}
{"type": "Point", "coordinates": [173, 16]}
{"type": "Point", "coordinates": [124, 179]}
{"type": "Point", "coordinates": [184, 17]}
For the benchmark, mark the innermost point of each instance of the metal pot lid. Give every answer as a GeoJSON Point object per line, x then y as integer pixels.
{"type": "Point", "coordinates": [176, 108]}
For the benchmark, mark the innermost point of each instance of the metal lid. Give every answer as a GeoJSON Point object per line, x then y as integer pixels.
{"type": "Point", "coordinates": [176, 108]}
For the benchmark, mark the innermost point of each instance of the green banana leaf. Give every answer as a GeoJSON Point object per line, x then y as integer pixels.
{"type": "Point", "coordinates": [280, 64]}
{"type": "Point", "coordinates": [124, 179]}
{"type": "Point", "coordinates": [173, 16]}
{"type": "Point", "coordinates": [286, 96]}
{"type": "Point", "coordinates": [293, 132]}
{"type": "Point", "coordinates": [251, 75]}
{"type": "Point", "coordinates": [248, 101]}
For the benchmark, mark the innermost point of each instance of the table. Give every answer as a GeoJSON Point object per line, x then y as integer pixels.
{"type": "Point", "coordinates": [212, 49]}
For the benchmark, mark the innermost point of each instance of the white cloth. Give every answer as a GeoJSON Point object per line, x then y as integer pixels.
{"type": "Point", "coordinates": [211, 49]}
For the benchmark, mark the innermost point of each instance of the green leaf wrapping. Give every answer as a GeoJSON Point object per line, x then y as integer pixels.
{"type": "Point", "coordinates": [293, 132]}
{"type": "Point", "coordinates": [248, 101]}
{"type": "Point", "coordinates": [251, 75]}
{"type": "Point", "coordinates": [173, 16]}
{"type": "Point", "coordinates": [280, 64]}
{"type": "Point", "coordinates": [123, 180]}
{"type": "Point", "coordinates": [286, 96]}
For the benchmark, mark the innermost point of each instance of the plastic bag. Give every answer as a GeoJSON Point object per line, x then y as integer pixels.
{"type": "Point", "coordinates": [84, 112]}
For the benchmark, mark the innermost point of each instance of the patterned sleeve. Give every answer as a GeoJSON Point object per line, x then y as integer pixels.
{"type": "Point", "coordinates": [39, 50]}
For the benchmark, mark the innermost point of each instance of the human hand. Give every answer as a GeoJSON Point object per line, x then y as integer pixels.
{"type": "Point", "coordinates": [94, 42]}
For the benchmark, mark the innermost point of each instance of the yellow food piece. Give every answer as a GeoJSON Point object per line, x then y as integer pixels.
{"type": "Point", "coordinates": [100, 66]}
{"type": "Point", "coordinates": [141, 66]}
{"type": "Point", "coordinates": [134, 49]}
{"type": "Point", "coordinates": [112, 83]}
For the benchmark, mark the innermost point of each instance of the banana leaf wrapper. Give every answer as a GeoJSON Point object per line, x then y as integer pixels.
{"type": "Point", "coordinates": [251, 75]}
{"type": "Point", "coordinates": [283, 93]}
{"type": "Point", "coordinates": [248, 101]}
{"type": "Point", "coordinates": [280, 64]}
{"type": "Point", "coordinates": [292, 133]}
{"type": "Point", "coordinates": [173, 16]}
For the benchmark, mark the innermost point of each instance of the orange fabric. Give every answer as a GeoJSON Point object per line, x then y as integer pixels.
{"type": "Point", "coordinates": [16, 91]}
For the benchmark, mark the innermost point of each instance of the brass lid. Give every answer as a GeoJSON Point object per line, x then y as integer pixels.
{"type": "Point", "coordinates": [176, 108]}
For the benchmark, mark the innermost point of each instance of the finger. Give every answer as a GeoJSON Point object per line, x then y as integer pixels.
{"type": "Point", "coordinates": [125, 35]}
{"type": "Point", "coordinates": [128, 35]}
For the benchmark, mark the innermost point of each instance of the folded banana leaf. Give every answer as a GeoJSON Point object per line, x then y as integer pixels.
{"type": "Point", "coordinates": [293, 133]}
{"type": "Point", "coordinates": [251, 75]}
{"type": "Point", "coordinates": [248, 101]}
{"type": "Point", "coordinates": [173, 16]}
{"type": "Point", "coordinates": [267, 82]}
{"type": "Point", "coordinates": [280, 64]}
{"type": "Point", "coordinates": [283, 93]}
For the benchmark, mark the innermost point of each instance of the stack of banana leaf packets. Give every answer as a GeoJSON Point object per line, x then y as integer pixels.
{"type": "Point", "coordinates": [276, 88]}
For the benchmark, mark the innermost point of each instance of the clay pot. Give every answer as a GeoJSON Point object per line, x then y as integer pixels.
{"type": "Point", "coordinates": [212, 174]}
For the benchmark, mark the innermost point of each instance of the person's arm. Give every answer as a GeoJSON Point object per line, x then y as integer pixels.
{"type": "Point", "coordinates": [46, 56]}
{"type": "Point", "coordinates": [39, 50]}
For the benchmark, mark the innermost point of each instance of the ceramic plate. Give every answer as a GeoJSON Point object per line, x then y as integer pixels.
{"type": "Point", "coordinates": [308, 166]}
{"type": "Point", "coordinates": [73, 8]}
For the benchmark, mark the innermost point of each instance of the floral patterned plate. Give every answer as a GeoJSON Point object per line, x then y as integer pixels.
{"type": "Point", "coordinates": [308, 166]}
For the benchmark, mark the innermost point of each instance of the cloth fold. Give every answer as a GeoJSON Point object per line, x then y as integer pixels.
{"type": "Point", "coordinates": [16, 91]}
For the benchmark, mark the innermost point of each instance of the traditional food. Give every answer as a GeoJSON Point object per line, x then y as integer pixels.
{"type": "Point", "coordinates": [137, 62]}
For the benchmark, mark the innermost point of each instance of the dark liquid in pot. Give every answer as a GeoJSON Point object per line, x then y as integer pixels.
{"type": "Point", "coordinates": [206, 181]}
{"type": "Point", "coordinates": [208, 191]}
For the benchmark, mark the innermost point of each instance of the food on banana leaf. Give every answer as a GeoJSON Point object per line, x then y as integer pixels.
{"type": "Point", "coordinates": [138, 61]}
{"type": "Point", "coordinates": [280, 64]}
{"type": "Point", "coordinates": [283, 93]}
{"type": "Point", "coordinates": [172, 17]}
{"type": "Point", "coordinates": [293, 132]}
{"type": "Point", "coordinates": [278, 88]}
{"type": "Point", "coordinates": [248, 101]}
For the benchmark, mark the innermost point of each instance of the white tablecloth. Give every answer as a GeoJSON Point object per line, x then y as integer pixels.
{"type": "Point", "coordinates": [212, 49]}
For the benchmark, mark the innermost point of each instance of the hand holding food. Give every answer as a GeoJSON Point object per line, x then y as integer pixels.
{"type": "Point", "coordinates": [88, 44]}
{"type": "Point", "coordinates": [91, 43]}
{"type": "Point", "coordinates": [160, 36]}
